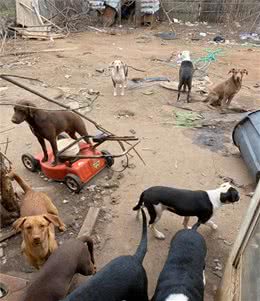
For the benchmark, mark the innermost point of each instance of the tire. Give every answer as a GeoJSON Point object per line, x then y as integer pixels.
{"type": "Point", "coordinates": [73, 182]}
{"type": "Point", "coordinates": [109, 159]}
{"type": "Point", "coordinates": [30, 162]}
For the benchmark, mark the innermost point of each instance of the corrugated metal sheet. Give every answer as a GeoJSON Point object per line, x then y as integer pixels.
{"type": "Point", "coordinates": [113, 3]}
{"type": "Point", "coordinates": [150, 6]}
{"type": "Point", "coordinates": [98, 4]}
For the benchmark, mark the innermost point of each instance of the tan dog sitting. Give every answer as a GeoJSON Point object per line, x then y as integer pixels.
{"type": "Point", "coordinates": [37, 221]}
{"type": "Point", "coordinates": [119, 73]}
{"type": "Point", "coordinates": [223, 93]}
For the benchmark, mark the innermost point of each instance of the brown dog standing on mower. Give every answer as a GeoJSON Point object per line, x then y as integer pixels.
{"type": "Point", "coordinates": [223, 93]}
{"type": "Point", "coordinates": [37, 221]}
{"type": "Point", "coordinates": [48, 125]}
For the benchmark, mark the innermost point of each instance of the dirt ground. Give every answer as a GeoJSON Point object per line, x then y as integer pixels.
{"type": "Point", "coordinates": [190, 157]}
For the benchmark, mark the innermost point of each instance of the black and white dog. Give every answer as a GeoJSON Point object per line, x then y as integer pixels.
{"type": "Point", "coordinates": [185, 203]}
{"type": "Point", "coordinates": [124, 278]}
{"type": "Point", "coordinates": [182, 277]}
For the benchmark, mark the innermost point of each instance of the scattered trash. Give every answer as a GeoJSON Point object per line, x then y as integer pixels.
{"type": "Point", "coordinates": [65, 201]}
{"type": "Point", "coordinates": [252, 36]}
{"type": "Point", "coordinates": [219, 39]}
{"type": "Point", "coordinates": [149, 92]}
{"type": "Point", "coordinates": [67, 76]}
{"type": "Point", "coordinates": [187, 119]}
{"type": "Point", "coordinates": [237, 24]}
{"type": "Point", "coordinates": [166, 35]}
{"type": "Point", "coordinates": [203, 34]}
{"type": "Point", "coordinates": [176, 20]}
{"type": "Point", "coordinates": [190, 24]}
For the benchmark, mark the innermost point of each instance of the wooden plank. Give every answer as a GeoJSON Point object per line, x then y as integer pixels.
{"type": "Point", "coordinates": [89, 222]}
{"type": "Point", "coordinates": [4, 236]}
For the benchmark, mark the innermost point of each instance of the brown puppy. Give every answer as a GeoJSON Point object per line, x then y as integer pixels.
{"type": "Point", "coordinates": [48, 125]}
{"type": "Point", "coordinates": [52, 282]}
{"type": "Point", "coordinates": [223, 93]}
{"type": "Point", "coordinates": [37, 221]}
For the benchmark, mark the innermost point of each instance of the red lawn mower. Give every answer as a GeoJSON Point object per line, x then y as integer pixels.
{"type": "Point", "coordinates": [75, 170]}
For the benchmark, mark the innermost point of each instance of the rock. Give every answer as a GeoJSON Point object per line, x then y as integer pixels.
{"type": "Point", "coordinates": [100, 70]}
{"type": "Point", "coordinates": [115, 200]}
{"type": "Point", "coordinates": [228, 243]}
{"type": "Point", "coordinates": [218, 273]}
{"type": "Point", "coordinates": [132, 131]}
{"type": "Point", "coordinates": [111, 184]}
{"type": "Point", "coordinates": [91, 188]}
{"type": "Point", "coordinates": [67, 76]}
{"type": "Point", "coordinates": [83, 198]}
{"type": "Point", "coordinates": [65, 201]}
{"type": "Point", "coordinates": [120, 176]}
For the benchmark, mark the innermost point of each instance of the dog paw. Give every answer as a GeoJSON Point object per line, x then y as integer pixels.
{"type": "Point", "coordinates": [159, 235]}
{"type": "Point", "coordinates": [44, 159]}
{"type": "Point", "coordinates": [62, 228]}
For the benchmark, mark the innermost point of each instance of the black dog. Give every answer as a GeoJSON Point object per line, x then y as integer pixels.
{"type": "Point", "coordinates": [49, 124]}
{"type": "Point", "coordinates": [186, 203]}
{"type": "Point", "coordinates": [185, 74]}
{"type": "Point", "coordinates": [124, 278]}
{"type": "Point", "coordinates": [182, 277]}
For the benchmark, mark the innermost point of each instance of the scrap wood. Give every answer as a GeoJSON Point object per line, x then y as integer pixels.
{"type": "Point", "coordinates": [38, 51]}
{"type": "Point", "coordinates": [4, 236]}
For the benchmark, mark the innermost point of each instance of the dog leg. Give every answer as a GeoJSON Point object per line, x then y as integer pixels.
{"type": "Point", "coordinates": [212, 225]}
{"type": "Point", "coordinates": [179, 91]}
{"type": "Point", "coordinates": [204, 278]}
{"type": "Point", "coordinates": [42, 143]}
{"type": "Point", "coordinates": [115, 88]}
{"type": "Point", "coordinates": [157, 233]}
{"type": "Point", "coordinates": [122, 90]}
{"type": "Point", "coordinates": [138, 214]}
{"type": "Point", "coordinates": [230, 99]}
{"type": "Point", "coordinates": [53, 143]}
{"type": "Point", "coordinates": [185, 222]}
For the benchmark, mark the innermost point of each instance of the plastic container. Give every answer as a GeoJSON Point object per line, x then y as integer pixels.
{"type": "Point", "coordinates": [246, 136]}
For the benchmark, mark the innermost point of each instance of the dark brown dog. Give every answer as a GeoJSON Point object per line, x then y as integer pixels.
{"type": "Point", "coordinates": [223, 93]}
{"type": "Point", "coordinates": [48, 125]}
{"type": "Point", "coordinates": [53, 280]}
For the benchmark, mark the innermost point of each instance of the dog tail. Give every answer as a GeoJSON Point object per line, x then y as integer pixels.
{"type": "Point", "coordinates": [142, 248]}
{"type": "Point", "coordinates": [140, 203]}
{"type": "Point", "coordinates": [13, 176]}
{"type": "Point", "coordinates": [196, 226]}
{"type": "Point", "coordinates": [90, 244]}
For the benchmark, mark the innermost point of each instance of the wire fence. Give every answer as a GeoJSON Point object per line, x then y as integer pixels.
{"type": "Point", "coordinates": [213, 10]}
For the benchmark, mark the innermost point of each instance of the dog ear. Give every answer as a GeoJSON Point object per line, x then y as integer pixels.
{"type": "Point", "coordinates": [31, 111]}
{"type": "Point", "coordinates": [17, 225]}
{"type": "Point", "coordinates": [232, 70]}
{"type": "Point", "coordinates": [54, 219]}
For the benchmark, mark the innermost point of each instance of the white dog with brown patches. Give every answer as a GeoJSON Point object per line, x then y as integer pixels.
{"type": "Point", "coordinates": [119, 73]}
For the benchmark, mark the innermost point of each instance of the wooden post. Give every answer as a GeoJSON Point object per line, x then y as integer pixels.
{"type": "Point", "coordinates": [138, 16]}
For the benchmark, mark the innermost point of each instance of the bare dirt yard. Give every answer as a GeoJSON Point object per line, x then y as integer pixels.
{"type": "Point", "coordinates": [195, 154]}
